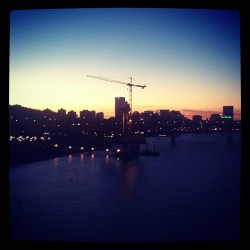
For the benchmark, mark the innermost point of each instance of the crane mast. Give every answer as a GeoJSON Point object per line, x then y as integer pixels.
{"type": "Point", "coordinates": [129, 84]}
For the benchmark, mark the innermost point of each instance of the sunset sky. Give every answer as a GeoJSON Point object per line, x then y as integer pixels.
{"type": "Point", "coordinates": [189, 59]}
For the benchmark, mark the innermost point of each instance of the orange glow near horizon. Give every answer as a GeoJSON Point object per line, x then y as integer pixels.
{"type": "Point", "coordinates": [192, 65]}
{"type": "Point", "coordinates": [108, 113]}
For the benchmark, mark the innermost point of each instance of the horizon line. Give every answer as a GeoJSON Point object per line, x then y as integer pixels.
{"type": "Point", "coordinates": [109, 114]}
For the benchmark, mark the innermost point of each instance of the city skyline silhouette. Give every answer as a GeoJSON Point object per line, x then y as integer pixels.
{"type": "Point", "coordinates": [192, 113]}
{"type": "Point", "coordinates": [192, 64]}
{"type": "Point", "coordinates": [64, 128]}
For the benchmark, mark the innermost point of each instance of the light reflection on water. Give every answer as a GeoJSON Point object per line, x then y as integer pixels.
{"type": "Point", "coordinates": [70, 158]}
{"type": "Point", "coordinates": [190, 192]}
{"type": "Point", "coordinates": [107, 158]}
{"type": "Point", "coordinates": [130, 175]}
{"type": "Point", "coordinates": [82, 157]}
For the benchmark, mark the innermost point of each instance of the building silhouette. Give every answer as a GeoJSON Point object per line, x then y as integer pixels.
{"type": "Point", "coordinates": [61, 113]}
{"type": "Point", "coordinates": [100, 116]}
{"type": "Point", "coordinates": [197, 118]}
{"type": "Point", "coordinates": [175, 115]}
{"type": "Point", "coordinates": [164, 113]}
{"type": "Point", "coordinates": [147, 115]}
{"type": "Point", "coordinates": [72, 114]}
{"type": "Point", "coordinates": [228, 112]}
{"type": "Point", "coordinates": [121, 107]}
{"type": "Point", "coordinates": [215, 117]}
{"type": "Point", "coordinates": [88, 115]}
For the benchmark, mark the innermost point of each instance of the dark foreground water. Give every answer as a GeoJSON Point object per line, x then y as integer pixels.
{"type": "Point", "coordinates": [190, 192]}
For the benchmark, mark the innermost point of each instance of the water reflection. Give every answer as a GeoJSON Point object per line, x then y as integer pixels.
{"type": "Point", "coordinates": [129, 172]}
{"type": "Point", "coordinates": [140, 200]}
{"type": "Point", "coordinates": [55, 163]}
{"type": "Point", "coordinates": [107, 158]}
{"type": "Point", "coordinates": [130, 175]}
{"type": "Point", "coordinates": [69, 158]}
{"type": "Point", "coordinates": [82, 157]}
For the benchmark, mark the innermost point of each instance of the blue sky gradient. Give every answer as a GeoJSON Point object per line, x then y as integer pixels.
{"type": "Point", "coordinates": [189, 59]}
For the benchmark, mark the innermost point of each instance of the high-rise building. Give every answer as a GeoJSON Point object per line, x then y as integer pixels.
{"type": "Point", "coordinates": [228, 112]}
{"type": "Point", "coordinates": [121, 106]}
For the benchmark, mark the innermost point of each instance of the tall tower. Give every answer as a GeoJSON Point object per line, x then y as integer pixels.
{"type": "Point", "coordinates": [121, 112]}
{"type": "Point", "coordinates": [228, 112]}
{"type": "Point", "coordinates": [121, 107]}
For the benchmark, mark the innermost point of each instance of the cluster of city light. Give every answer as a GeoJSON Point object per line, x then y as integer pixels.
{"type": "Point", "coordinates": [109, 136]}
{"type": "Point", "coordinates": [28, 138]}
{"type": "Point", "coordinates": [182, 129]}
{"type": "Point", "coordinates": [81, 148]}
{"type": "Point", "coordinates": [137, 132]}
{"type": "Point", "coordinates": [22, 138]}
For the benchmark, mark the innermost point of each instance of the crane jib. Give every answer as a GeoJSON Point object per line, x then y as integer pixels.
{"type": "Point", "coordinates": [125, 83]}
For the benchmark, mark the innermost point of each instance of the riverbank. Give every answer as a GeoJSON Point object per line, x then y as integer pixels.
{"type": "Point", "coordinates": [24, 153]}
{"type": "Point", "coordinates": [20, 157]}
{"type": "Point", "coordinates": [27, 153]}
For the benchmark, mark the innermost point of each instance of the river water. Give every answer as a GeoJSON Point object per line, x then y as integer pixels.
{"type": "Point", "coordinates": [191, 192]}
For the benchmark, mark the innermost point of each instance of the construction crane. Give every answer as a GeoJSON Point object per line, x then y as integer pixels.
{"type": "Point", "coordinates": [130, 84]}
